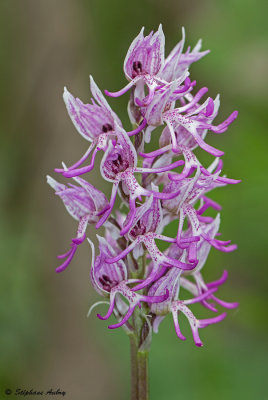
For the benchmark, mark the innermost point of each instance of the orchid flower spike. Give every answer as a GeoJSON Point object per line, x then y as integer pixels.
{"type": "Point", "coordinates": [139, 267]}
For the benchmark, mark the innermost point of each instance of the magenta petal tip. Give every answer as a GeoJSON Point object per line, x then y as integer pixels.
{"type": "Point", "coordinates": [101, 317]}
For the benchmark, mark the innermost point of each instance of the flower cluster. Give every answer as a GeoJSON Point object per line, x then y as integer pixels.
{"type": "Point", "coordinates": [156, 188]}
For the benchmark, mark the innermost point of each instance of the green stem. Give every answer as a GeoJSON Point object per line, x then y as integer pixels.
{"type": "Point", "coordinates": [134, 371]}
{"type": "Point", "coordinates": [143, 381]}
{"type": "Point", "coordinates": [139, 372]}
{"type": "Point", "coordinates": [139, 345]}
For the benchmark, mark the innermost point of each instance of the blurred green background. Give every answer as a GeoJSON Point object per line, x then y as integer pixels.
{"type": "Point", "coordinates": [46, 341]}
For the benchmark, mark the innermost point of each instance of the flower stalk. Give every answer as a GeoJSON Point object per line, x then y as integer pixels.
{"type": "Point", "coordinates": [139, 370]}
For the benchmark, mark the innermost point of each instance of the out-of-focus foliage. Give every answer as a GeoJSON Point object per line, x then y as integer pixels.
{"type": "Point", "coordinates": [45, 339]}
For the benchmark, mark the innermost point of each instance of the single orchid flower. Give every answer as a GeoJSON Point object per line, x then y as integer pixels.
{"type": "Point", "coordinates": [111, 279]}
{"type": "Point", "coordinates": [95, 122]}
{"type": "Point", "coordinates": [194, 118]}
{"type": "Point", "coordinates": [183, 143]}
{"type": "Point", "coordinates": [171, 283]}
{"type": "Point", "coordinates": [143, 62]}
{"type": "Point", "coordinates": [195, 324]}
{"type": "Point", "coordinates": [192, 190]}
{"type": "Point", "coordinates": [84, 204]}
{"type": "Point", "coordinates": [119, 164]}
{"type": "Point", "coordinates": [200, 287]}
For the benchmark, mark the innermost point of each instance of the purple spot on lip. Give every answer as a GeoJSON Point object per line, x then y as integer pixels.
{"type": "Point", "coordinates": [137, 68]}
{"type": "Point", "coordinates": [106, 128]}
